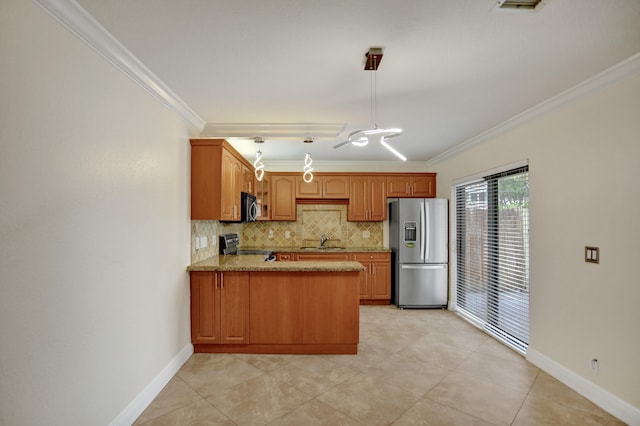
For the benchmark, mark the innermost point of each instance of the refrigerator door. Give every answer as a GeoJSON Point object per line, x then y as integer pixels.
{"type": "Point", "coordinates": [422, 230]}
{"type": "Point", "coordinates": [435, 230]}
{"type": "Point", "coordinates": [422, 286]}
{"type": "Point", "coordinates": [410, 230]}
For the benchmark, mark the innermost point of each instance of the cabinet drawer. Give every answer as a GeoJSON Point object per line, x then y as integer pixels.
{"type": "Point", "coordinates": [371, 257]}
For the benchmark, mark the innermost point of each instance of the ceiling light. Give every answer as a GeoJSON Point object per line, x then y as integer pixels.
{"type": "Point", "coordinates": [307, 169]}
{"type": "Point", "coordinates": [519, 5]}
{"type": "Point", "coordinates": [362, 137]}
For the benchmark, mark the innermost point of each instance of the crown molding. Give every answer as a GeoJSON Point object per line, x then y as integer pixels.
{"type": "Point", "coordinates": [84, 26]}
{"type": "Point", "coordinates": [348, 166]}
{"type": "Point", "coordinates": [629, 66]}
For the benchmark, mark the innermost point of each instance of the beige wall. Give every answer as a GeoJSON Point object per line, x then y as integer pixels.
{"type": "Point", "coordinates": [584, 189]}
{"type": "Point", "coordinates": [94, 229]}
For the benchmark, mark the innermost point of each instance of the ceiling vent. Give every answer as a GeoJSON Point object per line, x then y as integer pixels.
{"type": "Point", "coordinates": [519, 5]}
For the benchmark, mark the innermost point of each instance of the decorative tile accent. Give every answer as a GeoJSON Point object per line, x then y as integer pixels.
{"type": "Point", "coordinates": [313, 221]}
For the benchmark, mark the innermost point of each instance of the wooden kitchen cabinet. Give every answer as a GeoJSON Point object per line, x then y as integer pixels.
{"type": "Point", "coordinates": [247, 179]}
{"type": "Point", "coordinates": [421, 185]}
{"type": "Point", "coordinates": [219, 307]}
{"type": "Point", "coordinates": [322, 256]}
{"type": "Point", "coordinates": [217, 178]}
{"type": "Point", "coordinates": [232, 179]}
{"type": "Point", "coordinates": [335, 187]}
{"type": "Point", "coordinates": [375, 281]}
{"type": "Point", "coordinates": [368, 199]}
{"type": "Point", "coordinates": [311, 312]}
{"type": "Point", "coordinates": [263, 197]}
{"type": "Point", "coordinates": [287, 257]}
{"type": "Point", "coordinates": [283, 197]}
{"type": "Point", "coordinates": [323, 187]}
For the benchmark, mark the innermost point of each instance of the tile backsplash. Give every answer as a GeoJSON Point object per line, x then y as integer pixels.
{"type": "Point", "coordinates": [313, 222]}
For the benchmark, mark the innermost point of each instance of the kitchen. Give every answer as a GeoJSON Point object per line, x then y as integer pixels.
{"type": "Point", "coordinates": [96, 219]}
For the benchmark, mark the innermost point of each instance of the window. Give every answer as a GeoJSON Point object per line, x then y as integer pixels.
{"type": "Point", "coordinates": [492, 254]}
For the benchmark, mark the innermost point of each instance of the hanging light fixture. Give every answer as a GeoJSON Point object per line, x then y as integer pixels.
{"type": "Point", "coordinates": [307, 176]}
{"type": "Point", "coordinates": [258, 165]}
{"type": "Point", "coordinates": [362, 137]}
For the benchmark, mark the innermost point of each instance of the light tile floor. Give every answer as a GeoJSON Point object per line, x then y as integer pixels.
{"type": "Point", "coordinates": [414, 367]}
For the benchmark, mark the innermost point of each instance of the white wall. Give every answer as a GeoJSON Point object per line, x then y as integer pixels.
{"type": "Point", "coordinates": [584, 189]}
{"type": "Point", "coordinates": [94, 229]}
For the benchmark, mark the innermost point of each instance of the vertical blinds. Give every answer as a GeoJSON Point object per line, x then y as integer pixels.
{"type": "Point", "coordinates": [492, 232]}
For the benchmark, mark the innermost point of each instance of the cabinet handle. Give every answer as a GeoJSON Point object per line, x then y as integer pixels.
{"type": "Point", "coordinates": [407, 188]}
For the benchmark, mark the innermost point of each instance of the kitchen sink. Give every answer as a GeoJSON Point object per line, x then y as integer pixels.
{"type": "Point", "coordinates": [322, 248]}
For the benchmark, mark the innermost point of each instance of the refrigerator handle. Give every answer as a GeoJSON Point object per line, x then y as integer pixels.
{"type": "Point", "coordinates": [427, 231]}
{"type": "Point", "coordinates": [422, 224]}
{"type": "Point", "coordinates": [425, 266]}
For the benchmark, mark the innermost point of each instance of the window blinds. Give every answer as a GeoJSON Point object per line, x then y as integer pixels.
{"type": "Point", "coordinates": [492, 270]}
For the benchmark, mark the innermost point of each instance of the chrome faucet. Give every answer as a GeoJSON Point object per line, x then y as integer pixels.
{"type": "Point", "coordinates": [324, 239]}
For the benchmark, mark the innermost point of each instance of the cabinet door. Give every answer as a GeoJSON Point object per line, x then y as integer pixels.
{"type": "Point", "coordinates": [380, 280]}
{"type": "Point", "coordinates": [357, 208]}
{"type": "Point", "coordinates": [311, 189]}
{"type": "Point", "coordinates": [205, 182]}
{"type": "Point", "coordinates": [283, 200]}
{"type": "Point", "coordinates": [377, 198]}
{"type": "Point", "coordinates": [247, 179]}
{"type": "Point", "coordinates": [234, 307]}
{"type": "Point", "coordinates": [398, 186]}
{"type": "Point", "coordinates": [375, 281]}
{"type": "Point", "coordinates": [230, 198]}
{"type": "Point", "coordinates": [205, 311]}
{"type": "Point", "coordinates": [423, 186]}
{"type": "Point", "coordinates": [263, 197]}
{"type": "Point", "coordinates": [336, 187]}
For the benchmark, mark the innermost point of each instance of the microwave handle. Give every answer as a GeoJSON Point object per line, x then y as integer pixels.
{"type": "Point", "coordinates": [253, 212]}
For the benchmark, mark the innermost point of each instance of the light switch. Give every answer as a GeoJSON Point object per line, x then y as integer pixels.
{"type": "Point", "coordinates": [592, 254]}
{"type": "Point", "coordinates": [366, 234]}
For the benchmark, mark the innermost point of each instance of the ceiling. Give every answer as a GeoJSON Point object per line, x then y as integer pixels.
{"type": "Point", "coordinates": [451, 69]}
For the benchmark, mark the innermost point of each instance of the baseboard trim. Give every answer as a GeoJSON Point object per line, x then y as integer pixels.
{"type": "Point", "coordinates": [149, 393]}
{"type": "Point", "coordinates": [599, 396]}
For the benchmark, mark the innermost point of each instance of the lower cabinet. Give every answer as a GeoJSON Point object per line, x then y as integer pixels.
{"type": "Point", "coordinates": [375, 281]}
{"type": "Point", "coordinates": [304, 308]}
{"type": "Point", "coordinates": [220, 307]}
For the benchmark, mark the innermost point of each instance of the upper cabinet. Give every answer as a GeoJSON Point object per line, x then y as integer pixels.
{"type": "Point", "coordinates": [283, 197]}
{"type": "Point", "coordinates": [263, 197]}
{"type": "Point", "coordinates": [323, 186]}
{"type": "Point", "coordinates": [368, 200]}
{"type": "Point", "coordinates": [218, 176]}
{"type": "Point", "coordinates": [421, 185]}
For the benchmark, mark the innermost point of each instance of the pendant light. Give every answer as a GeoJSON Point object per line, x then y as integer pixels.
{"type": "Point", "coordinates": [362, 137]}
{"type": "Point", "coordinates": [307, 176]}
{"type": "Point", "coordinates": [258, 165]}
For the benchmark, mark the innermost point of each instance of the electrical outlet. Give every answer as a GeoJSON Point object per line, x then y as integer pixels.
{"type": "Point", "coordinates": [270, 234]}
{"type": "Point", "coordinates": [197, 243]}
{"type": "Point", "coordinates": [203, 242]}
{"type": "Point", "coordinates": [595, 366]}
{"type": "Point", "coordinates": [287, 234]}
{"type": "Point", "coordinates": [366, 234]}
{"type": "Point", "coordinates": [214, 240]}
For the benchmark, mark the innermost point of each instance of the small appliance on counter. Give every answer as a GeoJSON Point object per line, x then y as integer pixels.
{"type": "Point", "coordinates": [229, 245]}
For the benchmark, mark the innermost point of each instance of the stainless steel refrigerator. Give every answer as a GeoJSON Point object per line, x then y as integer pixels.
{"type": "Point", "coordinates": [419, 242]}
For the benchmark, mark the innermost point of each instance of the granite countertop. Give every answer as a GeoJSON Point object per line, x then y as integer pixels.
{"type": "Point", "coordinates": [328, 249]}
{"type": "Point", "coordinates": [250, 263]}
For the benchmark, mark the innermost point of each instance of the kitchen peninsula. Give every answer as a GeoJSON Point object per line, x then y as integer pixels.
{"type": "Point", "coordinates": [242, 304]}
